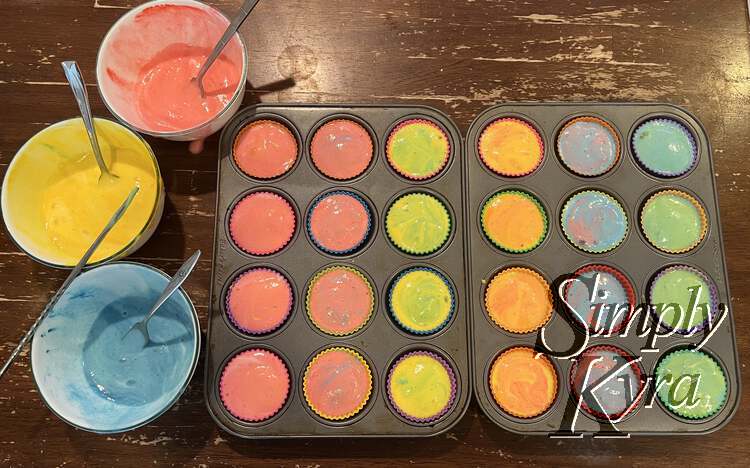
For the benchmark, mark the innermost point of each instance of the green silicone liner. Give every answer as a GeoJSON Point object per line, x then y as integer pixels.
{"type": "Point", "coordinates": [415, 252]}
{"type": "Point", "coordinates": [723, 400]}
{"type": "Point", "coordinates": [523, 194]}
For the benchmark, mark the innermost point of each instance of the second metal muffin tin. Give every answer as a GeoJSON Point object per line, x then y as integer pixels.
{"type": "Point", "coordinates": [380, 342]}
{"type": "Point", "coordinates": [552, 184]}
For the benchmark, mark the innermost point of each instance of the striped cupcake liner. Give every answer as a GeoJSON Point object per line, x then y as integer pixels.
{"type": "Point", "coordinates": [405, 327]}
{"type": "Point", "coordinates": [713, 300]}
{"type": "Point", "coordinates": [394, 164]}
{"type": "Point", "coordinates": [527, 196]}
{"type": "Point", "coordinates": [656, 172]}
{"type": "Point", "coordinates": [356, 247]}
{"type": "Point", "coordinates": [306, 394]}
{"type": "Point", "coordinates": [451, 375]}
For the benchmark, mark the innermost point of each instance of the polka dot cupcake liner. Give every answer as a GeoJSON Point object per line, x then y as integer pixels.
{"type": "Point", "coordinates": [319, 244]}
{"type": "Point", "coordinates": [394, 164]}
{"type": "Point", "coordinates": [632, 365]}
{"type": "Point", "coordinates": [306, 390]}
{"type": "Point", "coordinates": [308, 297]}
{"type": "Point", "coordinates": [261, 331]}
{"type": "Point", "coordinates": [681, 128]}
{"type": "Point", "coordinates": [713, 300]}
{"type": "Point", "coordinates": [453, 387]}
{"type": "Point", "coordinates": [505, 326]}
{"type": "Point", "coordinates": [701, 214]}
{"type": "Point", "coordinates": [522, 123]}
{"type": "Point", "coordinates": [535, 201]}
{"type": "Point", "coordinates": [404, 326]}
{"type": "Point", "coordinates": [615, 203]}
{"type": "Point", "coordinates": [416, 251]}
{"type": "Point", "coordinates": [624, 282]}
{"type": "Point", "coordinates": [607, 127]}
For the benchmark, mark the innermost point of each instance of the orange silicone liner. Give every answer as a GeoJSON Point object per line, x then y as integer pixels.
{"type": "Point", "coordinates": [489, 165]}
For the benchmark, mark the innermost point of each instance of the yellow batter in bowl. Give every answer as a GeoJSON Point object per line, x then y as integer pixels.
{"type": "Point", "coordinates": [54, 205]}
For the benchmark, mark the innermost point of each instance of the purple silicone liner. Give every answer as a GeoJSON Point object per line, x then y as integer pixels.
{"type": "Point", "coordinates": [322, 197]}
{"type": "Point", "coordinates": [450, 290]}
{"type": "Point", "coordinates": [713, 300]}
{"type": "Point", "coordinates": [687, 133]}
{"type": "Point", "coordinates": [451, 375]}
{"type": "Point", "coordinates": [258, 332]}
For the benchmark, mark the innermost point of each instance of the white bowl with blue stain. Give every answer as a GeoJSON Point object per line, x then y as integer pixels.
{"type": "Point", "coordinates": [93, 376]}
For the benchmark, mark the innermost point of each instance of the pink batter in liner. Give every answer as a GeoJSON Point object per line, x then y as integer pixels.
{"type": "Point", "coordinates": [339, 301]}
{"type": "Point", "coordinates": [149, 62]}
{"type": "Point", "coordinates": [265, 149]}
{"type": "Point", "coordinates": [262, 223]}
{"type": "Point", "coordinates": [341, 149]}
{"type": "Point", "coordinates": [337, 384]}
{"type": "Point", "coordinates": [259, 301]}
{"type": "Point", "coordinates": [254, 385]}
{"type": "Point", "coordinates": [339, 222]}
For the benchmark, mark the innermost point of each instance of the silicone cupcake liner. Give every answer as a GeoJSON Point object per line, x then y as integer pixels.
{"type": "Point", "coordinates": [604, 124]}
{"type": "Point", "coordinates": [270, 413]}
{"type": "Point", "coordinates": [547, 362]}
{"type": "Point", "coordinates": [536, 276]}
{"type": "Point", "coordinates": [524, 123]}
{"type": "Point", "coordinates": [451, 376]}
{"type": "Point", "coordinates": [288, 237]}
{"type": "Point", "coordinates": [264, 331]}
{"type": "Point", "coordinates": [260, 122]}
{"type": "Point", "coordinates": [624, 282]}
{"type": "Point", "coordinates": [656, 172]}
{"type": "Point", "coordinates": [610, 198]}
{"type": "Point", "coordinates": [331, 176]}
{"type": "Point", "coordinates": [528, 196]}
{"type": "Point", "coordinates": [633, 405]}
{"type": "Point", "coordinates": [406, 249]}
{"type": "Point", "coordinates": [402, 325]}
{"type": "Point", "coordinates": [400, 171]}
{"type": "Point", "coordinates": [701, 213]}
{"type": "Point", "coordinates": [723, 397]}
{"type": "Point", "coordinates": [713, 300]}
{"type": "Point", "coordinates": [350, 414]}
{"type": "Point", "coordinates": [308, 295]}
{"type": "Point", "coordinates": [364, 238]}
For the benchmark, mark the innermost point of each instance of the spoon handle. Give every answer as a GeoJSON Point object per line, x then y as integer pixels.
{"type": "Point", "coordinates": [174, 283]}
{"type": "Point", "coordinates": [72, 276]}
{"type": "Point", "coordinates": [75, 79]}
{"type": "Point", "coordinates": [239, 18]}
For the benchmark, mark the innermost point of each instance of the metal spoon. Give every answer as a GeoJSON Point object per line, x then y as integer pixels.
{"type": "Point", "coordinates": [237, 21]}
{"type": "Point", "coordinates": [173, 285]}
{"type": "Point", "coordinates": [72, 276]}
{"type": "Point", "coordinates": [75, 79]}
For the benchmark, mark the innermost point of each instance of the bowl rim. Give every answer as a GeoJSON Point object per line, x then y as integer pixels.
{"type": "Point", "coordinates": [188, 376]}
{"type": "Point", "coordinates": [146, 227]}
{"type": "Point", "coordinates": [239, 93]}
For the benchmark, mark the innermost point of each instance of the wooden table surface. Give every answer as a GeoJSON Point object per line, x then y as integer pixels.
{"type": "Point", "coordinates": [460, 56]}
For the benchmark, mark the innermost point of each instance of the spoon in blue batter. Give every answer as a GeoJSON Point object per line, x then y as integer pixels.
{"type": "Point", "coordinates": [172, 286]}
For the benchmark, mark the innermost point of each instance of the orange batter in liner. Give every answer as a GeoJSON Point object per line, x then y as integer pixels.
{"type": "Point", "coordinates": [518, 300]}
{"type": "Point", "coordinates": [514, 221]}
{"type": "Point", "coordinates": [523, 384]}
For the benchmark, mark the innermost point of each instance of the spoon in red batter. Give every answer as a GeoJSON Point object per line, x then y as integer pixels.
{"type": "Point", "coordinates": [239, 18]}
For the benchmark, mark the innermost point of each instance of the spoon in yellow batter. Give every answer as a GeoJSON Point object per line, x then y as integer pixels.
{"type": "Point", "coordinates": [75, 79]}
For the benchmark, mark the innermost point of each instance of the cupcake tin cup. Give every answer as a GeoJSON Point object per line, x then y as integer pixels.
{"type": "Point", "coordinates": [630, 184]}
{"type": "Point", "coordinates": [380, 341]}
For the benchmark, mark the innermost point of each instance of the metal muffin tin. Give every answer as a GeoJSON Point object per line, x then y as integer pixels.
{"type": "Point", "coordinates": [380, 342]}
{"type": "Point", "coordinates": [552, 183]}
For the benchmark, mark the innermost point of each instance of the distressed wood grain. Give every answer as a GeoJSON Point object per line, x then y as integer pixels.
{"type": "Point", "coordinates": [460, 56]}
